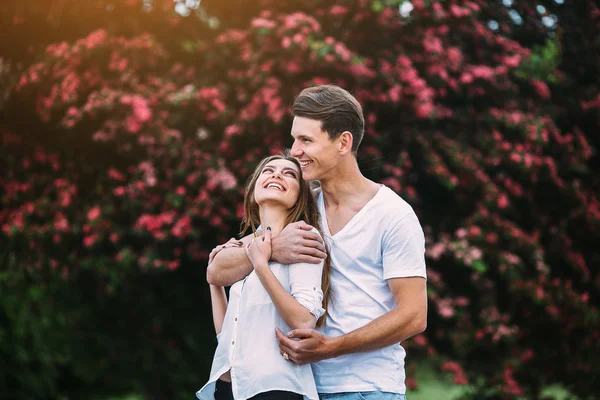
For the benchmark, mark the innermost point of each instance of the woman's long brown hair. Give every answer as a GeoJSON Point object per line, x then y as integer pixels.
{"type": "Point", "coordinates": [305, 209]}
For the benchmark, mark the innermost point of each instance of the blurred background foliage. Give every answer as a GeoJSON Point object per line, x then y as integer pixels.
{"type": "Point", "coordinates": [129, 128]}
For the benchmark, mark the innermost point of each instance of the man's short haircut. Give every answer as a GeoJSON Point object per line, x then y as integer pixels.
{"type": "Point", "coordinates": [335, 107]}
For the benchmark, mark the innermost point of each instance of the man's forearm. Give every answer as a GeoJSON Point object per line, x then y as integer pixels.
{"type": "Point", "coordinates": [397, 325]}
{"type": "Point", "coordinates": [228, 267]}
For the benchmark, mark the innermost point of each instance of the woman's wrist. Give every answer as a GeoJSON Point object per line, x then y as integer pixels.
{"type": "Point", "coordinates": [261, 265]}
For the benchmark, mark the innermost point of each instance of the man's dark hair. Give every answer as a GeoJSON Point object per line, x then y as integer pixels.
{"type": "Point", "coordinates": [335, 107]}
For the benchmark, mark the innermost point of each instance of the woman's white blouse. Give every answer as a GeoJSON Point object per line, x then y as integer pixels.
{"type": "Point", "coordinates": [248, 347]}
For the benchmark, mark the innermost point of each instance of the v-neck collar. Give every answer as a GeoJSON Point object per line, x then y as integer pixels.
{"type": "Point", "coordinates": [354, 218]}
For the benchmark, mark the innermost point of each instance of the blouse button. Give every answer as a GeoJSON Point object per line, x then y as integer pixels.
{"type": "Point", "coordinates": [233, 342]}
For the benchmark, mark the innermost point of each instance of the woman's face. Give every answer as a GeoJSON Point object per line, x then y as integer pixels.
{"type": "Point", "coordinates": [278, 183]}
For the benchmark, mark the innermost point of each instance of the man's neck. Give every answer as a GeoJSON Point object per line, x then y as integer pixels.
{"type": "Point", "coordinates": [345, 182]}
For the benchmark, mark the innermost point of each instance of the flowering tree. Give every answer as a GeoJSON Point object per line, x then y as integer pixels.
{"type": "Point", "coordinates": [131, 162]}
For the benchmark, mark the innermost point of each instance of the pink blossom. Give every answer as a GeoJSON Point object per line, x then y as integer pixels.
{"type": "Point", "coordinates": [436, 251]}
{"type": "Point", "coordinates": [461, 301]}
{"type": "Point", "coordinates": [503, 201]}
{"type": "Point", "coordinates": [483, 72]}
{"type": "Point", "coordinates": [445, 308]}
{"type": "Point", "coordinates": [232, 130]}
{"type": "Point", "coordinates": [61, 223]}
{"type": "Point", "coordinates": [459, 375]}
{"type": "Point", "coordinates": [64, 199]}
{"type": "Point", "coordinates": [433, 44]}
{"type": "Point", "coordinates": [132, 124]}
{"type": "Point", "coordinates": [338, 10]}
{"type": "Point", "coordinates": [424, 110]}
{"type": "Point", "coordinates": [512, 61]}
{"type": "Point", "coordinates": [89, 240]}
{"type": "Point", "coordinates": [526, 355]}
{"type": "Point", "coordinates": [141, 110]}
{"type": "Point", "coordinates": [466, 78]}
{"type": "Point", "coordinates": [115, 175]}
{"type": "Point", "coordinates": [263, 23]}
{"type": "Point", "coordinates": [94, 38]}
{"type": "Point", "coordinates": [474, 231]}
{"type": "Point", "coordinates": [541, 88]}
{"type": "Point", "coordinates": [215, 221]}
{"type": "Point", "coordinates": [395, 93]}
{"type": "Point", "coordinates": [420, 340]}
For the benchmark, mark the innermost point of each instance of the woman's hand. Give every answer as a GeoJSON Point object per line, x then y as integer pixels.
{"type": "Point", "coordinates": [259, 250]}
{"type": "Point", "coordinates": [230, 243]}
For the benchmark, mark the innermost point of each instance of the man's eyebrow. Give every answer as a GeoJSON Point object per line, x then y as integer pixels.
{"type": "Point", "coordinates": [301, 136]}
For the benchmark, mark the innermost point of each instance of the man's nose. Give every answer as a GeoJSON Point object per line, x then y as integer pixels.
{"type": "Point", "coordinates": [296, 151]}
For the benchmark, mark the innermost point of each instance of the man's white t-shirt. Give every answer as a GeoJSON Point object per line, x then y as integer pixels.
{"type": "Point", "coordinates": [383, 240]}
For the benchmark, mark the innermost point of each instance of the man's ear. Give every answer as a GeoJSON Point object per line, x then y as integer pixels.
{"type": "Point", "coordinates": [345, 142]}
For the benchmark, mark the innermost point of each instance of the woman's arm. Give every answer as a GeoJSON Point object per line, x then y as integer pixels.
{"type": "Point", "coordinates": [293, 313]}
{"type": "Point", "coordinates": [218, 300]}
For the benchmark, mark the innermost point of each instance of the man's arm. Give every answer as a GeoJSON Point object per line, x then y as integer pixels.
{"type": "Point", "coordinates": [296, 243]}
{"type": "Point", "coordinates": [407, 319]}
{"type": "Point", "coordinates": [228, 263]}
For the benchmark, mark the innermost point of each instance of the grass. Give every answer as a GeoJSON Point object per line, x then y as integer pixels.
{"type": "Point", "coordinates": [434, 385]}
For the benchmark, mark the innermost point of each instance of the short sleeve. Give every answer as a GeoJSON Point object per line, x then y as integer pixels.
{"type": "Point", "coordinates": [403, 249]}
{"type": "Point", "coordinates": [305, 286]}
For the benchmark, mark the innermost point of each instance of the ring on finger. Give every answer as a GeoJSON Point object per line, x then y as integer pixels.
{"type": "Point", "coordinates": [285, 356]}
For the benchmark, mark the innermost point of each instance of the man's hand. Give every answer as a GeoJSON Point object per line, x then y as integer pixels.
{"type": "Point", "coordinates": [296, 243]}
{"type": "Point", "coordinates": [230, 243]}
{"type": "Point", "coordinates": [311, 347]}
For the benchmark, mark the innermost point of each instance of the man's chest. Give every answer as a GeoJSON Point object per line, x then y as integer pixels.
{"type": "Point", "coordinates": [339, 218]}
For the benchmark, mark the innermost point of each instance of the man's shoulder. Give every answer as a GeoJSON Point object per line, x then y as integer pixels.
{"type": "Point", "coordinates": [391, 205]}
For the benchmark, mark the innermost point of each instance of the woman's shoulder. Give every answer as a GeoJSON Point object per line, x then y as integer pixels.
{"type": "Point", "coordinates": [319, 233]}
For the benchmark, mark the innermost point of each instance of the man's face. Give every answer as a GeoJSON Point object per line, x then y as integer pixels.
{"type": "Point", "coordinates": [312, 147]}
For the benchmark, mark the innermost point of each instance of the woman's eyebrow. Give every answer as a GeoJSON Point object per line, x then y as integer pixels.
{"type": "Point", "coordinates": [290, 169]}
{"type": "Point", "coordinates": [284, 168]}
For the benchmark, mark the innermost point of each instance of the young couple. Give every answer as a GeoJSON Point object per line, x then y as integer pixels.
{"type": "Point", "coordinates": [363, 286]}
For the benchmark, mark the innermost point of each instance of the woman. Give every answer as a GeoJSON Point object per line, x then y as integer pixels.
{"type": "Point", "coordinates": [272, 296]}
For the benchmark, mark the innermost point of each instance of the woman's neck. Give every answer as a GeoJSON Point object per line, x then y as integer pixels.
{"type": "Point", "coordinates": [273, 217]}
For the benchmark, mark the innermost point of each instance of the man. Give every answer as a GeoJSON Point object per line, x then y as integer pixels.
{"type": "Point", "coordinates": [377, 247]}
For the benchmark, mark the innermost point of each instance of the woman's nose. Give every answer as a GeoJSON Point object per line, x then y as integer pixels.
{"type": "Point", "coordinates": [277, 174]}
